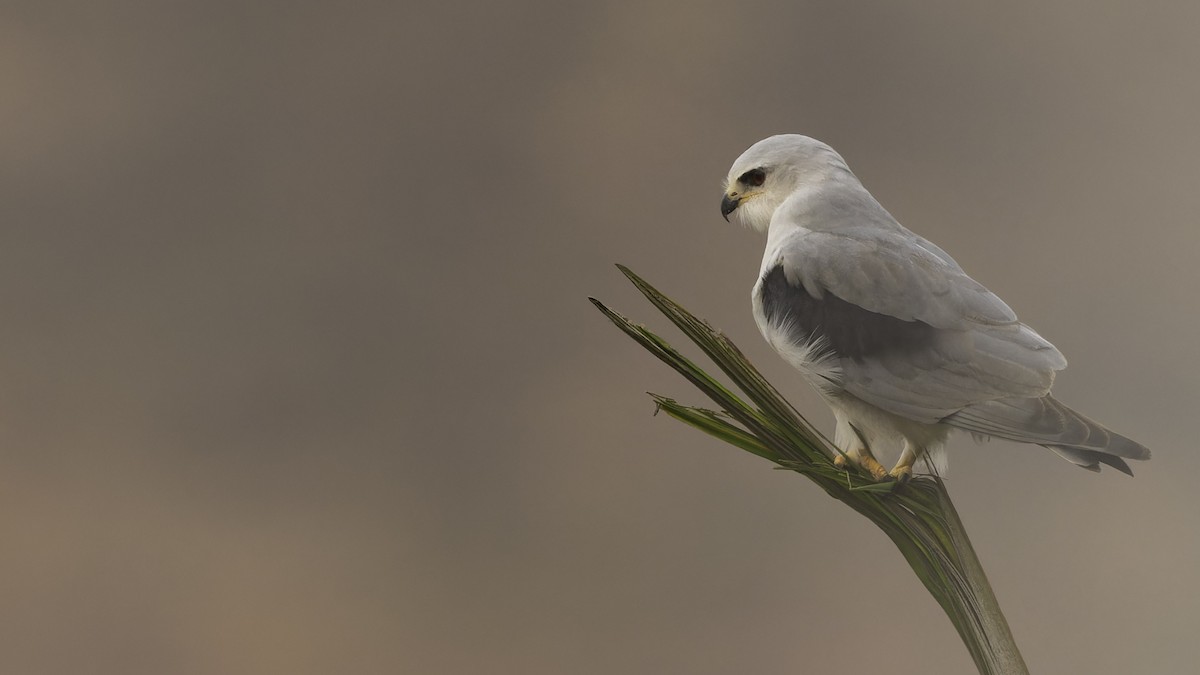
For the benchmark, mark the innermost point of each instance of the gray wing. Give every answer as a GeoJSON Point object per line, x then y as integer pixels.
{"type": "Point", "coordinates": [913, 334]}
{"type": "Point", "coordinates": [1049, 422]}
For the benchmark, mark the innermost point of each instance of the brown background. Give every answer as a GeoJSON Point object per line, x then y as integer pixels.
{"type": "Point", "coordinates": [297, 374]}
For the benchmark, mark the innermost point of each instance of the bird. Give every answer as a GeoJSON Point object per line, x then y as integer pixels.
{"type": "Point", "coordinates": [902, 344]}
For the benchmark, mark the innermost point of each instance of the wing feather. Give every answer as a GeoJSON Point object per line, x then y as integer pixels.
{"type": "Point", "coordinates": [891, 272]}
{"type": "Point", "coordinates": [914, 334]}
{"type": "Point", "coordinates": [1045, 421]}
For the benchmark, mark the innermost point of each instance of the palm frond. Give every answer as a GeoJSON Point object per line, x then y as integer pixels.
{"type": "Point", "coordinates": [918, 516]}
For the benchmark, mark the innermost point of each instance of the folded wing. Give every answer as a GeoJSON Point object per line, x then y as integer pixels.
{"type": "Point", "coordinates": [914, 335]}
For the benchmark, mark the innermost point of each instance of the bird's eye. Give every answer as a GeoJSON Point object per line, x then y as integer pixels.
{"type": "Point", "coordinates": [753, 177]}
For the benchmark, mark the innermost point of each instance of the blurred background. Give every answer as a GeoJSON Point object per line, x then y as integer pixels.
{"type": "Point", "coordinates": [298, 373]}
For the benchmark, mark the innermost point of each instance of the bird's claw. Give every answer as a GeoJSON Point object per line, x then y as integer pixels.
{"type": "Point", "coordinates": [874, 468]}
{"type": "Point", "coordinates": [866, 463]}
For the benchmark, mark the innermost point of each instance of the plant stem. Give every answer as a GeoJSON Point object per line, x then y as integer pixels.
{"type": "Point", "coordinates": [993, 647]}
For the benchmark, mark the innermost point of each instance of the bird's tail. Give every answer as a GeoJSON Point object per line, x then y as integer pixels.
{"type": "Point", "coordinates": [1048, 422]}
{"type": "Point", "coordinates": [1090, 459]}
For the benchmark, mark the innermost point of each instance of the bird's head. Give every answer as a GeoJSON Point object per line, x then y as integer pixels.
{"type": "Point", "coordinates": [770, 171]}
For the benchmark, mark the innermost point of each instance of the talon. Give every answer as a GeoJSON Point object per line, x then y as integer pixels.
{"type": "Point", "coordinates": [874, 468]}
{"type": "Point", "coordinates": [840, 461]}
{"type": "Point", "coordinates": [902, 474]}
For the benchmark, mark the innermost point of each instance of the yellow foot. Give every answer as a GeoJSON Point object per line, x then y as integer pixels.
{"type": "Point", "coordinates": [873, 467]}
{"type": "Point", "coordinates": [902, 474]}
{"type": "Point", "coordinates": [867, 464]}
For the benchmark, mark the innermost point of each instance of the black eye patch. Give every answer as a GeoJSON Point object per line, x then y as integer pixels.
{"type": "Point", "coordinates": [753, 177]}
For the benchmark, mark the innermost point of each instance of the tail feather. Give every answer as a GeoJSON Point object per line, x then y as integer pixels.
{"type": "Point", "coordinates": [1048, 422]}
{"type": "Point", "coordinates": [1091, 459]}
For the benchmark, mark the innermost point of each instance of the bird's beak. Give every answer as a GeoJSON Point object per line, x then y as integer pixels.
{"type": "Point", "coordinates": [728, 204]}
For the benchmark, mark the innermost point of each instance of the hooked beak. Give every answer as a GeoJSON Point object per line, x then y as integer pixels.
{"type": "Point", "coordinates": [728, 204]}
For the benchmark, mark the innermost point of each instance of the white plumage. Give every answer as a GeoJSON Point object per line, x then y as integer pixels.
{"type": "Point", "coordinates": [901, 343]}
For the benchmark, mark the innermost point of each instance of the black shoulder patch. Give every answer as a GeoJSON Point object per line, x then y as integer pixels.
{"type": "Point", "coordinates": [849, 330]}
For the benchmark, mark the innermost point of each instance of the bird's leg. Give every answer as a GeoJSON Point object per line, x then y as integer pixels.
{"type": "Point", "coordinates": [903, 469]}
{"type": "Point", "coordinates": [846, 439]}
{"type": "Point", "coordinates": [854, 448]}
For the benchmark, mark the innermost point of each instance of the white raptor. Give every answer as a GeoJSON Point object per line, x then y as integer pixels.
{"type": "Point", "coordinates": [900, 342]}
